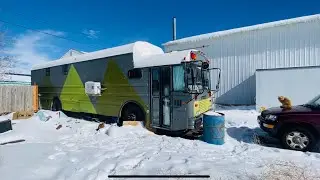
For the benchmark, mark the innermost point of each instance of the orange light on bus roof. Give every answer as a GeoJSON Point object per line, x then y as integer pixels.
{"type": "Point", "coordinates": [193, 56]}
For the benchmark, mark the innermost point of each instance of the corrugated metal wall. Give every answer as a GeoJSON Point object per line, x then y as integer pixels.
{"type": "Point", "coordinates": [240, 54]}
{"type": "Point", "coordinates": [300, 85]}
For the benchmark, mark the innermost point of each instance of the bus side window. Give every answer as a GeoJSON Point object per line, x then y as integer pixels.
{"type": "Point", "coordinates": [155, 81]}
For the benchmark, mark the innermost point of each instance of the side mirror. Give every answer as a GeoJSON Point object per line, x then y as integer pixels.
{"type": "Point", "coordinates": [218, 79]}
{"type": "Point", "coordinates": [205, 65]}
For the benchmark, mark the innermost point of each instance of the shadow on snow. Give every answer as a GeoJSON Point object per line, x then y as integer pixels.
{"type": "Point", "coordinates": [257, 136]}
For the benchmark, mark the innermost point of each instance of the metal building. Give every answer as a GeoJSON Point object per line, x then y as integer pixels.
{"type": "Point", "coordinates": [239, 52]}
{"type": "Point", "coordinates": [299, 84]}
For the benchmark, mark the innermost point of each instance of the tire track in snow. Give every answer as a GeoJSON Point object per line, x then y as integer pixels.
{"type": "Point", "coordinates": [123, 149]}
{"type": "Point", "coordinates": [137, 163]}
{"type": "Point", "coordinates": [139, 160]}
{"type": "Point", "coordinates": [53, 156]}
{"type": "Point", "coordinates": [112, 168]}
{"type": "Point", "coordinates": [94, 161]}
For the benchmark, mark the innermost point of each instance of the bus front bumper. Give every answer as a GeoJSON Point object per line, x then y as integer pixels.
{"type": "Point", "coordinates": [196, 123]}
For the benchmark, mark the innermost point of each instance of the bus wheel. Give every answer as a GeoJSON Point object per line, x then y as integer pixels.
{"type": "Point", "coordinates": [56, 105]}
{"type": "Point", "coordinates": [131, 112]}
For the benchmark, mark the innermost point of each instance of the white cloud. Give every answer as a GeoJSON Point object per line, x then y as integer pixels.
{"type": "Point", "coordinates": [32, 48]}
{"type": "Point", "coordinates": [91, 33]}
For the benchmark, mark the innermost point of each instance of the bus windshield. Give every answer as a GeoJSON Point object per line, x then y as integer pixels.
{"type": "Point", "coordinates": [190, 76]}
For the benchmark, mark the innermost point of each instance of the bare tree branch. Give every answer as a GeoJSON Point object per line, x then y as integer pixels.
{"type": "Point", "coordinates": [7, 63]}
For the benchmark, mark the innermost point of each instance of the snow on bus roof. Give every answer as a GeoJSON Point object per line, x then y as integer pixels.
{"type": "Point", "coordinates": [139, 49]}
{"type": "Point", "coordinates": [244, 29]}
{"type": "Point", "coordinates": [171, 58]}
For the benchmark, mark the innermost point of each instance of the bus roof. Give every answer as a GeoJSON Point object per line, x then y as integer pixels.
{"type": "Point", "coordinates": [139, 49]}
{"type": "Point", "coordinates": [171, 58]}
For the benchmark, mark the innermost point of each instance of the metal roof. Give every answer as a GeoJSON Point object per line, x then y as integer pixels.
{"type": "Point", "coordinates": [218, 34]}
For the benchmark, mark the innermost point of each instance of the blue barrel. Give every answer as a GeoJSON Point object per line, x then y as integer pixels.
{"type": "Point", "coordinates": [213, 128]}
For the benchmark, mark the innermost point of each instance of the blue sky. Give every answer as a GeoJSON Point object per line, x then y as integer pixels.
{"type": "Point", "coordinates": [102, 24]}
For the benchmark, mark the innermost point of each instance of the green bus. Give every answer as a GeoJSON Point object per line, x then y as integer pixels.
{"type": "Point", "coordinates": [132, 82]}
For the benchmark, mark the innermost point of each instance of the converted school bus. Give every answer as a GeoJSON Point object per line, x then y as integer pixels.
{"type": "Point", "coordinates": [136, 81]}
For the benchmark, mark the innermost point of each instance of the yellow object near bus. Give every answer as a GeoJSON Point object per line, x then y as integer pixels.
{"type": "Point", "coordinates": [202, 106]}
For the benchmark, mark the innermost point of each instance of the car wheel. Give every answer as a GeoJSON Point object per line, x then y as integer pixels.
{"type": "Point", "coordinates": [298, 138]}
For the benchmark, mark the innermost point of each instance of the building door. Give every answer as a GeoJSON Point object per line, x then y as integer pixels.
{"type": "Point", "coordinates": [161, 97]}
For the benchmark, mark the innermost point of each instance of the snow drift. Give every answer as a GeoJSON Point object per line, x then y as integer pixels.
{"type": "Point", "coordinates": [77, 151]}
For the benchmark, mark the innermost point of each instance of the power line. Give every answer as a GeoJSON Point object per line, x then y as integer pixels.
{"type": "Point", "coordinates": [17, 74]}
{"type": "Point", "coordinates": [39, 31]}
{"type": "Point", "coordinates": [41, 21]}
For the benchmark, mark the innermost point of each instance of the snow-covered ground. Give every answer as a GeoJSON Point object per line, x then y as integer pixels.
{"type": "Point", "coordinates": [77, 151]}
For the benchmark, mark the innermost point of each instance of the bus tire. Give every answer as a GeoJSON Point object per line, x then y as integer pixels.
{"type": "Point", "coordinates": [56, 105]}
{"type": "Point", "coordinates": [131, 112]}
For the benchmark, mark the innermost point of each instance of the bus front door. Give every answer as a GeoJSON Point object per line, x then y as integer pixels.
{"type": "Point", "coordinates": [161, 97]}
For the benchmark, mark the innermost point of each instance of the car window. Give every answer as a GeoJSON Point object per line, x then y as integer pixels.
{"type": "Point", "coordinates": [314, 99]}
{"type": "Point", "coordinates": [317, 102]}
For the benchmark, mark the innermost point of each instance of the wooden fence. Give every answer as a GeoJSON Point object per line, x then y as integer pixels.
{"type": "Point", "coordinates": [15, 98]}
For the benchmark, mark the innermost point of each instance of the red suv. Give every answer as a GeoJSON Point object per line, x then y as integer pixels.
{"type": "Point", "coordinates": [297, 128]}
